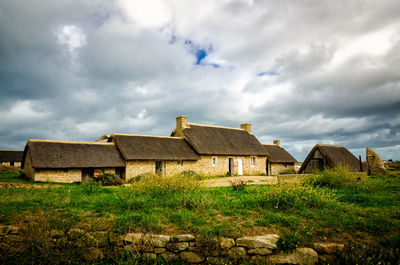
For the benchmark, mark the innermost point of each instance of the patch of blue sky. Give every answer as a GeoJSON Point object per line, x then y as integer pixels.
{"type": "Point", "coordinates": [270, 73]}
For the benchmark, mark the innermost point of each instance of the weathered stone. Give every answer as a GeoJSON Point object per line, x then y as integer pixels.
{"type": "Point", "coordinates": [185, 237]}
{"type": "Point", "coordinates": [169, 256]}
{"type": "Point", "coordinates": [139, 248]}
{"type": "Point", "coordinates": [237, 253]}
{"type": "Point", "coordinates": [159, 250]}
{"type": "Point", "coordinates": [195, 249]}
{"type": "Point", "coordinates": [216, 260]}
{"type": "Point", "coordinates": [134, 238]}
{"type": "Point", "coordinates": [266, 241]}
{"type": "Point", "coordinates": [215, 252]}
{"type": "Point", "coordinates": [260, 251]}
{"type": "Point", "coordinates": [56, 233]}
{"type": "Point", "coordinates": [99, 238]}
{"type": "Point", "coordinates": [149, 256]}
{"type": "Point", "coordinates": [178, 246]}
{"type": "Point", "coordinates": [159, 241]}
{"type": "Point", "coordinates": [75, 233]}
{"type": "Point", "coordinates": [259, 259]}
{"type": "Point", "coordinates": [93, 254]}
{"type": "Point", "coordinates": [227, 243]}
{"type": "Point", "coordinates": [192, 244]}
{"type": "Point", "coordinates": [9, 230]}
{"type": "Point", "coordinates": [374, 163]}
{"type": "Point", "coordinates": [301, 256]}
{"type": "Point", "coordinates": [191, 257]}
{"type": "Point", "coordinates": [328, 248]}
{"type": "Point", "coordinates": [117, 240]}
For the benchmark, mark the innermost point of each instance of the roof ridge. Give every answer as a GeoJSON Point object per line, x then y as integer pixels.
{"type": "Point", "coordinates": [215, 126]}
{"type": "Point", "coordinates": [68, 142]}
{"type": "Point", "coordinates": [144, 135]}
{"type": "Point", "coordinates": [328, 145]}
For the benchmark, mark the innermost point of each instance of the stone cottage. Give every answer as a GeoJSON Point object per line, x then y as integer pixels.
{"type": "Point", "coordinates": [154, 154]}
{"type": "Point", "coordinates": [329, 156]}
{"type": "Point", "coordinates": [63, 161]}
{"type": "Point", "coordinates": [278, 159]}
{"type": "Point", "coordinates": [11, 158]}
{"type": "Point", "coordinates": [222, 149]}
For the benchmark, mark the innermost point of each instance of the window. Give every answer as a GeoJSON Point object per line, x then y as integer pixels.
{"type": "Point", "coordinates": [179, 163]}
{"type": "Point", "coordinates": [285, 165]}
{"type": "Point", "coordinates": [214, 161]}
{"type": "Point", "coordinates": [253, 161]}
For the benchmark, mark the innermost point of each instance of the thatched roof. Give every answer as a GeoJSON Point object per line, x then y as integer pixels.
{"type": "Point", "coordinates": [63, 154]}
{"type": "Point", "coordinates": [143, 147]}
{"type": "Point", "coordinates": [334, 156]}
{"type": "Point", "coordinates": [11, 156]}
{"type": "Point", "coordinates": [215, 140]}
{"type": "Point", "coordinates": [277, 154]}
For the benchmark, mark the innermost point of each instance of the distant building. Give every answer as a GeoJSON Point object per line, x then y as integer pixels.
{"type": "Point", "coordinates": [11, 158]}
{"type": "Point", "coordinates": [328, 156]}
{"type": "Point", "coordinates": [278, 159]}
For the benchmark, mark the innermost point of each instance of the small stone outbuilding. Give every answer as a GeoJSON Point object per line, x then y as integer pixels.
{"type": "Point", "coordinates": [328, 156]}
{"type": "Point", "coordinates": [279, 161]}
{"type": "Point", "coordinates": [64, 161]}
{"type": "Point", "coordinates": [375, 164]}
{"type": "Point", "coordinates": [11, 158]}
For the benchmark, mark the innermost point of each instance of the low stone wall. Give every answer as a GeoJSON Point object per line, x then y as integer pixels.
{"type": "Point", "coordinates": [99, 245]}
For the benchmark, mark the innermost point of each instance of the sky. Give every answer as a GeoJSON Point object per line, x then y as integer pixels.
{"type": "Point", "coordinates": [305, 72]}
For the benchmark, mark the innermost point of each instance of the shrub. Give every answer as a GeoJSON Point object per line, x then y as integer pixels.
{"type": "Point", "coordinates": [295, 196]}
{"type": "Point", "coordinates": [8, 169]}
{"type": "Point", "coordinates": [91, 186]}
{"type": "Point", "coordinates": [190, 174]}
{"type": "Point", "coordinates": [139, 177]}
{"type": "Point", "coordinates": [288, 242]}
{"type": "Point", "coordinates": [238, 184]}
{"type": "Point", "coordinates": [228, 174]}
{"type": "Point", "coordinates": [159, 185]}
{"type": "Point", "coordinates": [338, 177]}
{"type": "Point", "coordinates": [107, 179]}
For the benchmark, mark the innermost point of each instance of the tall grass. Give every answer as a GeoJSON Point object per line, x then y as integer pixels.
{"type": "Point", "coordinates": [337, 177]}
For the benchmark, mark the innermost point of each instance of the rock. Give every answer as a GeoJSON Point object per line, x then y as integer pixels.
{"type": "Point", "coordinates": [93, 254]}
{"type": "Point", "coordinates": [301, 256]}
{"type": "Point", "coordinates": [260, 251]}
{"type": "Point", "coordinates": [159, 250]}
{"type": "Point", "coordinates": [191, 257]}
{"type": "Point", "coordinates": [216, 260]}
{"type": "Point", "coordinates": [258, 259]}
{"type": "Point", "coordinates": [169, 257]}
{"type": "Point", "coordinates": [99, 238]}
{"type": "Point", "coordinates": [149, 256]}
{"type": "Point", "coordinates": [179, 246]}
{"type": "Point", "coordinates": [227, 243]}
{"type": "Point", "coordinates": [374, 163]}
{"type": "Point", "coordinates": [75, 233]}
{"type": "Point", "coordinates": [328, 248]}
{"type": "Point", "coordinates": [266, 241]}
{"type": "Point", "coordinates": [134, 238]}
{"type": "Point", "coordinates": [192, 244]}
{"type": "Point", "coordinates": [56, 233]}
{"type": "Point", "coordinates": [237, 253]}
{"type": "Point", "coordinates": [195, 249]}
{"type": "Point", "coordinates": [182, 238]}
{"type": "Point", "coordinates": [138, 248]}
{"type": "Point", "coordinates": [116, 240]}
{"type": "Point", "coordinates": [159, 241]}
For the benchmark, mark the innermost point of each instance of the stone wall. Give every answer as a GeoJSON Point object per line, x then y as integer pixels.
{"type": "Point", "coordinates": [98, 172]}
{"type": "Point", "coordinates": [29, 171]}
{"type": "Point", "coordinates": [279, 168]}
{"type": "Point", "coordinates": [58, 175]}
{"type": "Point", "coordinates": [374, 163]}
{"type": "Point", "coordinates": [184, 248]}
{"type": "Point", "coordinates": [136, 167]}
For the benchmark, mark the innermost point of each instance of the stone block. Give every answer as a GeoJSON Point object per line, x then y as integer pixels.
{"type": "Point", "coordinates": [75, 233]}
{"type": "Point", "coordinates": [328, 248]}
{"type": "Point", "coordinates": [159, 250]}
{"type": "Point", "coordinates": [158, 241]}
{"type": "Point", "coordinates": [260, 251]}
{"type": "Point", "coordinates": [91, 254]}
{"type": "Point", "coordinates": [134, 238]}
{"type": "Point", "coordinates": [178, 246]}
{"type": "Point", "coordinates": [169, 257]}
{"type": "Point", "coordinates": [227, 243]}
{"type": "Point", "coordinates": [237, 253]}
{"type": "Point", "coordinates": [301, 256]}
{"type": "Point", "coordinates": [149, 256]}
{"type": "Point", "coordinates": [191, 257]}
{"type": "Point", "coordinates": [266, 241]}
{"type": "Point", "coordinates": [183, 238]}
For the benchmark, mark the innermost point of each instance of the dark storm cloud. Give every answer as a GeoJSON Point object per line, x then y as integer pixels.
{"type": "Point", "coordinates": [74, 71]}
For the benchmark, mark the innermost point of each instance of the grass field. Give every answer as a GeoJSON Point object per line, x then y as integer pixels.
{"type": "Point", "coordinates": [357, 213]}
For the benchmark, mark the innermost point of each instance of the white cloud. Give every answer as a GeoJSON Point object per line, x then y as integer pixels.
{"type": "Point", "coordinates": [71, 36]}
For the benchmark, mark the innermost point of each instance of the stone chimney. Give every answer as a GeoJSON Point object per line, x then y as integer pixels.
{"type": "Point", "coordinates": [277, 142]}
{"type": "Point", "coordinates": [181, 123]}
{"type": "Point", "coordinates": [246, 126]}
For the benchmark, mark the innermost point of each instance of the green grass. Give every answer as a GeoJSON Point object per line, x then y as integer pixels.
{"type": "Point", "coordinates": [357, 215]}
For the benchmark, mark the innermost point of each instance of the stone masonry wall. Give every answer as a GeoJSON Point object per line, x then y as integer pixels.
{"type": "Point", "coordinates": [58, 175]}
{"type": "Point", "coordinates": [278, 168]}
{"type": "Point", "coordinates": [136, 167]}
{"type": "Point", "coordinates": [29, 171]}
{"type": "Point", "coordinates": [186, 248]}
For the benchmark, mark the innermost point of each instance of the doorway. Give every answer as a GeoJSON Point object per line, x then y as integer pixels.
{"type": "Point", "coordinates": [231, 163]}
{"type": "Point", "coordinates": [159, 168]}
{"type": "Point", "coordinates": [87, 173]}
{"type": "Point", "coordinates": [240, 166]}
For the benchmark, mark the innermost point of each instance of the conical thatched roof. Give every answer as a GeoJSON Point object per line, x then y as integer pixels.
{"type": "Point", "coordinates": [11, 156]}
{"type": "Point", "coordinates": [334, 156]}
{"type": "Point", "coordinates": [143, 147]}
{"type": "Point", "coordinates": [277, 154]}
{"type": "Point", "coordinates": [215, 140]}
{"type": "Point", "coordinates": [63, 154]}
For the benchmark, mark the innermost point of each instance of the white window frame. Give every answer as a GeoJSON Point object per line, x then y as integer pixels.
{"type": "Point", "coordinates": [179, 162]}
{"type": "Point", "coordinates": [253, 158]}
{"type": "Point", "coordinates": [214, 161]}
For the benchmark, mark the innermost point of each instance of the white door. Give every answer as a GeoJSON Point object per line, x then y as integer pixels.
{"type": "Point", "coordinates": [240, 166]}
